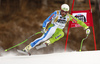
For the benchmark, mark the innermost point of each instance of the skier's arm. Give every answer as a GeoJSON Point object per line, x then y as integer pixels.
{"type": "Point", "coordinates": [74, 19]}
{"type": "Point", "coordinates": [49, 19]}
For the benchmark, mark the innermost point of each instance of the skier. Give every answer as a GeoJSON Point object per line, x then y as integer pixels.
{"type": "Point", "coordinates": [54, 32]}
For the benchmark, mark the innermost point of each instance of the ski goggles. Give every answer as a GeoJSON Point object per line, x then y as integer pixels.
{"type": "Point", "coordinates": [64, 11]}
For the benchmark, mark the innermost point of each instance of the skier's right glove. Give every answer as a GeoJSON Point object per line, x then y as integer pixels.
{"type": "Point", "coordinates": [43, 30]}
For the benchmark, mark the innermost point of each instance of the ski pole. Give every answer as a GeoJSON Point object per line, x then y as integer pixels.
{"type": "Point", "coordinates": [82, 42]}
{"type": "Point", "coordinates": [22, 42]}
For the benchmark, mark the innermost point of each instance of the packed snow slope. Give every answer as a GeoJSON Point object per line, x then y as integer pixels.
{"type": "Point", "coordinates": [86, 57]}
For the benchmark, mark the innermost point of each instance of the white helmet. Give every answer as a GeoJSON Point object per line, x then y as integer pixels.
{"type": "Point", "coordinates": [64, 7]}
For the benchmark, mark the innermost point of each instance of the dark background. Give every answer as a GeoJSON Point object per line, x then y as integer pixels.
{"type": "Point", "coordinates": [19, 19]}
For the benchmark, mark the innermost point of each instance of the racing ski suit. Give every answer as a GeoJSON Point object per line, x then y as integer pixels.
{"type": "Point", "coordinates": [55, 29]}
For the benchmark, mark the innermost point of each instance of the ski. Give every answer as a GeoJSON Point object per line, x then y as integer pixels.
{"type": "Point", "coordinates": [23, 52]}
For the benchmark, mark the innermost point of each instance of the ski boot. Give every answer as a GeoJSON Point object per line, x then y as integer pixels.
{"type": "Point", "coordinates": [45, 44]}
{"type": "Point", "coordinates": [26, 50]}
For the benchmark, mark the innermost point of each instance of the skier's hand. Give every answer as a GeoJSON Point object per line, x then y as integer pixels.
{"type": "Point", "coordinates": [87, 31]}
{"type": "Point", "coordinates": [43, 30]}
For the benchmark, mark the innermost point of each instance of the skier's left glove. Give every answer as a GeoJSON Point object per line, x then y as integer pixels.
{"type": "Point", "coordinates": [87, 31]}
{"type": "Point", "coordinates": [43, 30]}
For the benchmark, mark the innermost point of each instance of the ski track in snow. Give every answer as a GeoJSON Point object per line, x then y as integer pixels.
{"type": "Point", "coordinates": [86, 57]}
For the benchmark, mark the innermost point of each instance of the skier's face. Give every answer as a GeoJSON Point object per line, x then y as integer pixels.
{"type": "Point", "coordinates": [63, 13]}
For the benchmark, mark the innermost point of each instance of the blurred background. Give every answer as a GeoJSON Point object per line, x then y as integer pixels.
{"type": "Point", "coordinates": [19, 19]}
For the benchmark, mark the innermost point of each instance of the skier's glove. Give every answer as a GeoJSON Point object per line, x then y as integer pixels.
{"type": "Point", "coordinates": [43, 30]}
{"type": "Point", "coordinates": [87, 31]}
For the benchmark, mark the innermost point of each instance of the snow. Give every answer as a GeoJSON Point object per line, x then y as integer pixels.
{"type": "Point", "coordinates": [86, 57]}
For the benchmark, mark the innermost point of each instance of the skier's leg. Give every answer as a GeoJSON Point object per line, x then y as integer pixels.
{"type": "Point", "coordinates": [45, 36]}
{"type": "Point", "coordinates": [56, 36]}
{"type": "Point", "coordinates": [28, 47]}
